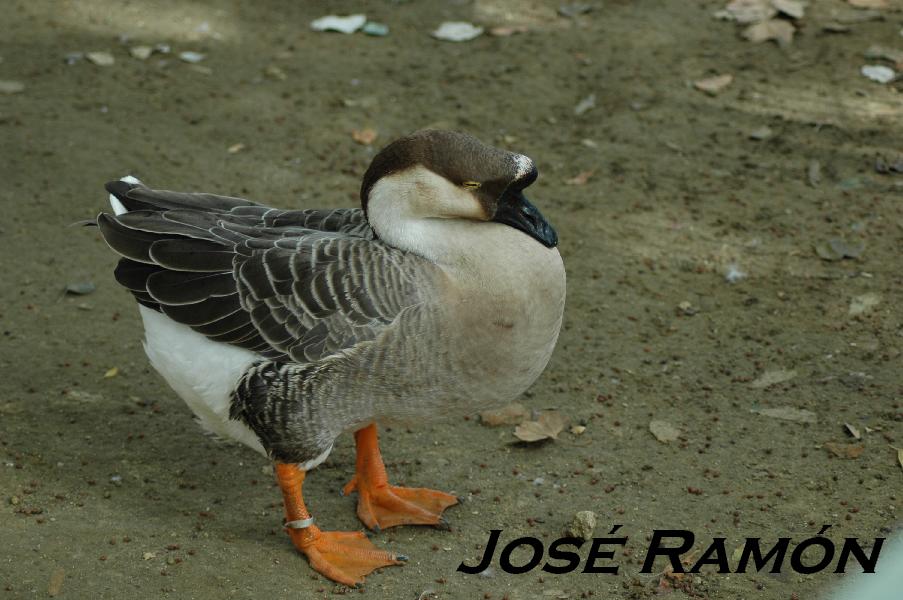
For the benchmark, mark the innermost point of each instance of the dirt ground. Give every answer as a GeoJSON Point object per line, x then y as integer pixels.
{"type": "Point", "coordinates": [108, 489]}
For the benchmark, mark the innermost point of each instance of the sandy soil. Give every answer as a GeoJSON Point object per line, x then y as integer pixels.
{"type": "Point", "coordinates": [109, 490]}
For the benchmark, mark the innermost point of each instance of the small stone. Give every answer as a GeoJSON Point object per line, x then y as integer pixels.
{"type": "Point", "coordinates": [101, 59]}
{"type": "Point", "coordinates": [761, 134]}
{"type": "Point", "coordinates": [582, 525]}
{"type": "Point", "coordinates": [878, 73]}
{"type": "Point", "coordinates": [141, 52]}
{"type": "Point", "coordinates": [687, 309]}
{"type": "Point", "coordinates": [375, 29]}
{"type": "Point", "coordinates": [192, 57]}
{"type": "Point", "coordinates": [275, 72]}
{"type": "Point", "coordinates": [585, 105]}
{"type": "Point", "coordinates": [346, 25]}
{"type": "Point", "coordinates": [11, 87]}
{"type": "Point", "coordinates": [457, 31]}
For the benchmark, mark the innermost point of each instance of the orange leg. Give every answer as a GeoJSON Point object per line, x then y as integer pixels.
{"type": "Point", "coordinates": [343, 556]}
{"type": "Point", "coordinates": [381, 505]}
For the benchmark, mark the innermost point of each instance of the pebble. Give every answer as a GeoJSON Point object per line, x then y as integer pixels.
{"type": "Point", "coordinates": [879, 73]}
{"type": "Point", "coordinates": [141, 52]}
{"type": "Point", "coordinates": [582, 525]}
{"type": "Point", "coordinates": [11, 87]}
{"type": "Point", "coordinates": [761, 133]}
{"type": "Point", "coordinates": [457, 31]}
{"type": "Point", "coordinates": [375, 29]}
{"type": "Point", "coordinates": [101, 59]}
{"type": "Point", "coordinates": [348, 24]}
{"type": "Point", "coordinates": [192, 57]}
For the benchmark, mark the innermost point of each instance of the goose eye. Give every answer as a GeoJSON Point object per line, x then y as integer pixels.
{"type": "Point", "coordinates": [471, 184]}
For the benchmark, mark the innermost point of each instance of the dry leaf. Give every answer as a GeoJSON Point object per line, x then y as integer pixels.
{"type": "Point", "coordinates": [505, 31]}
{"type": "Point", "coordinates": [111, 373]}
{"type": "Point", "coordinates": [235, 148]}
{"type": "Point", "coordinates": [852, 431]}
{"type": "Point", "coordinates": [770, 378]}
{"type": "Point", "coordinates": [663, 431]}
{"type": "Point", "coordinates": [581, 178]}
{"type": "Point", "coordinates": [509, 415]}
{"type": "Point", "coordinates": [869, 3]}
{"type": "Point", "coordinates": [788, 413]}
{"type": "Point", "coordinates": [795, 9]}
{"type": "Point", "coordinates": [884, 53]}
{"type": "Point", "coordinates": [56, 583]}
{"type": "Point", "coordinates": [776, 29]}
{"type": "Point", "coordinates": [750, 11]}
{"type": "Point", "coordinates": [275, 72]}
{"type": "Point", "coordinates": [713, 85]}
{"type": "Point", "coordinates": [899, 456]}
{"type": "Point", "coordinates": [863, 304]}
{"type": "Point", "coordinates": [578, 429]}
{"type": "Point", "coordinates": [548, 426]}
{"type": "Point", "coordinates": [845, 450]}
{"type": "Point", "coordinates": [365, 136]}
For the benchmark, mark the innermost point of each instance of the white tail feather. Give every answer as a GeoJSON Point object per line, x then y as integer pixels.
{"type": "Point", "coordinates": [117, 206]}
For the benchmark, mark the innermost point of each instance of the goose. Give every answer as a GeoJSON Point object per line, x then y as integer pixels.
{"type": "Point", "coordinates": [442, 295]}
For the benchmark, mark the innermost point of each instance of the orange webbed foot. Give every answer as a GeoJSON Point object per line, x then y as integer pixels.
{"type": "Point", "coordinates": [343, 556]}
{"type": "Point", "coordinates": [384, 506]}
{"type": "Point", "coordinates": [381, 505]}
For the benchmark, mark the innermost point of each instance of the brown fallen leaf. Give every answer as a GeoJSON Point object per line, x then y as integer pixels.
{"type": "Point", "coordinates": [548, 426]}
{"type": "Point", "coordinates": [56, 583]}
{"type": "Point", "coordinates": [508, 415]}
{"type": "Point", "coordinates": [505, 31]}
{"type": "Point", "coordinates": [773, 377]}
{"type": "Point", "coordinates": [838, 249]}
{"type": "Point", "coordinates": [845, 450]}
{"type": "Point", "coordinates": [713, 85]}
{"type": "Point", "coordinates": [750, 11]}
{"type": "Point", "coordinates": [795, 9]}
{"type": "Point", "coordinates": [869, 3]}
{"type": "Point", "coordinates": [778, 30]}
{"type": "Point", "coordinates": [663, 431]}
{"type": "Point", "coordinates": [365, 136]}
{"type": "Point", "coordinates": [788, 413]}
{"type": "Point", "coordinates": [581, 178]}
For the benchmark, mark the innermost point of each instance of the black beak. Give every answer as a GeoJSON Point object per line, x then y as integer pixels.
{"type": "Point", "coordinates": [516, 211]}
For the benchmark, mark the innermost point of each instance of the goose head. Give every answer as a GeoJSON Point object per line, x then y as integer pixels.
{"type": "Point", "coordinates": [435, 177]}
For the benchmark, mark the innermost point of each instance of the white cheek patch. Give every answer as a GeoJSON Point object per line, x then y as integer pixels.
{"type": "Point", "coordinates": [523, 165]}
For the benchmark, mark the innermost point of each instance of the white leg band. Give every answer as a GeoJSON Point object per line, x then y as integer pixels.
{"type": "Point", "coordinates": [300, 523]}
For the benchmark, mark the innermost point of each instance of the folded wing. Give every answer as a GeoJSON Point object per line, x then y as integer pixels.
{"type": "Point", "coordinates": [287, 284]}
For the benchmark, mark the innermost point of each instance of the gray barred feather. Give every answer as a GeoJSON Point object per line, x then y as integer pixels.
{"type": "Point", "coordinates": [295, 285]}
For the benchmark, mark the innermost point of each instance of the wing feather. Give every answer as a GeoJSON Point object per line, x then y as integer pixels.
{"type": "Point", "coordinates": [297, 284]}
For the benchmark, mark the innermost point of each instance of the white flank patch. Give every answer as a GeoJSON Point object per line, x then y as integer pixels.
{"type": "Point", "coordinates": [202, 372]}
